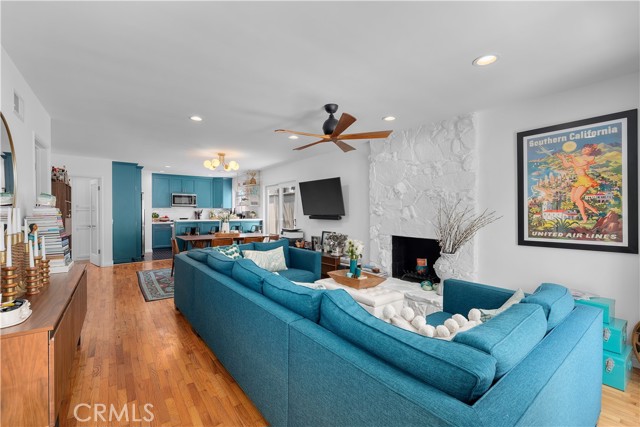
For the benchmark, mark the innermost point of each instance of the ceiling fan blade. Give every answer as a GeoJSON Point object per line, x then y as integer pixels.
{"type": "Point", "coordinates": [344, 146]}
{"type": "Point", "coordinates": [313, 143]}
{"type": "Point", "coordinates": [345, 121]}
{"type": "Point", "coordinates": [300, 133]}
{"type": "Point", "coordinates": [367, 135]}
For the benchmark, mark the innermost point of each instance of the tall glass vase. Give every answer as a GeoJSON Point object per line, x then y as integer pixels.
{"type": "Point", "coordinates": [353, 265]}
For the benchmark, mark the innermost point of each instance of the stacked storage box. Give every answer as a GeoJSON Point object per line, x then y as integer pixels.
{"type": "Point", "coordinates": [616, 357]}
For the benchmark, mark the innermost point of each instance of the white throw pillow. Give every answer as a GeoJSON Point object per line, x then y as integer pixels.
{"type": "Point", "coordinates": [272, 260]}
{"type": "Point", "coordinates": [486, 314]}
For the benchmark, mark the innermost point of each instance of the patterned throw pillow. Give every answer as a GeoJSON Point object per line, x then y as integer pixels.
{"type": "Point", "coordinates": [232, 251]}
{"type": "Point", "coordinates": [272, 260]}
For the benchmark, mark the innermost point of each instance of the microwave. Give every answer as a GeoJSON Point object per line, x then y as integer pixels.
{"type": "Point", "coordinates": [186, 200]}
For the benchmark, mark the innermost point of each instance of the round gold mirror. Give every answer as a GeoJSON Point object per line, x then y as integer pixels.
{"type": "Point", "coordinates": [8, 176]}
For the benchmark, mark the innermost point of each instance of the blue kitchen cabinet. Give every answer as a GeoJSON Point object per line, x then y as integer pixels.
{"type": "Point", "coordinates": [161, 236]}
{"type": "Point", "coordinates": [127, 212]}
{"type": "Point", "coordinates": [160, 194]}
{"type": "Point", "coordinates": [176, 184]}
{"type": "Point", "coordinates": [217, 193]}
{"type": "Point", "coordinates": [204, 192]}
{"type": "Point", "coordinates": [188, 185]}
{"type": "Point", "coordinates": [226, 193]}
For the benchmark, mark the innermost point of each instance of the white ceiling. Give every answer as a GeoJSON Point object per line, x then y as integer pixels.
{"type": "Point", "coordinates": [120, 80]}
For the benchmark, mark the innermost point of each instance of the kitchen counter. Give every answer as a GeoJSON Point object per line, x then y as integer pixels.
{"type": "Point", "coordinates": [217, 220]}
{"type": "Point", "coordinates": [162, 222]}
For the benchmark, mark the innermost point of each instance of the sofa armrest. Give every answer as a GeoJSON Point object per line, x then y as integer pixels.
{"type": "Point", "coordinates": [305, 259]}
{"type": "Point", "coordinates": [460, 296]}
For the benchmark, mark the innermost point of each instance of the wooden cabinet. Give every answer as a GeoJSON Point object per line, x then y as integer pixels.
{"type": "Point", "coordinates": [328, 263]}
{"type": "Point", "coordinates": [37, 355]}
{"type": "Point", "coordinates": [62, 192]}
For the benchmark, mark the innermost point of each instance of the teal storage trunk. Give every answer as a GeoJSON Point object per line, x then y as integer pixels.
{"type": "Point", "coordinates": [607, 305]}
{"type": "Point", "coordinates": [617, 368]}
{"type": "Point", "coordinates": [614, 336]}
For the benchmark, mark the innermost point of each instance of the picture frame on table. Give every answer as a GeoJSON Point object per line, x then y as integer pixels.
{"type": "Point", "coordinates": [323, 240]}
{"type": "Point", "coordinates": [315, 243]}
{"type": "Point", "coordinates": [578, 184]}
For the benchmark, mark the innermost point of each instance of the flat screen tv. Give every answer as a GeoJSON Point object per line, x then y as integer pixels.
{"type": "Point", "coordinates": [322, 199]}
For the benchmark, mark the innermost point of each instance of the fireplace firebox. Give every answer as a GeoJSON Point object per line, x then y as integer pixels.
{"type": "Point", "coordinates": [404, 253]}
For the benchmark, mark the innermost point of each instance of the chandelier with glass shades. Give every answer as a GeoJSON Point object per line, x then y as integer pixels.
{"type": "Point", "coordinates": [228, 167]}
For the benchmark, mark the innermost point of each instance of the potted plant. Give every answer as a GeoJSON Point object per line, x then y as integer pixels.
{"type": "Point", "coordinates": [455, 226]}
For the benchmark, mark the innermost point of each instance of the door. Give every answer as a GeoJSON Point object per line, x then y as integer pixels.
{"type": "Point", "coordinates": [94, 223]}
{"type": "Point", "coordinates": [81, 234]}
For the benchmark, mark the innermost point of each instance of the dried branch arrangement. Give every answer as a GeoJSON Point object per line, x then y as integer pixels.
{"type": "Point", "coordinates": [456, 226]}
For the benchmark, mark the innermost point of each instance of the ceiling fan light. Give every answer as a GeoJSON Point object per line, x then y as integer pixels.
{"type": "Point", "coordinates": [207, 164]}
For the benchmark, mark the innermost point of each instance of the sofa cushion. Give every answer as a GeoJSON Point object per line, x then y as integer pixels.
{"type": "Point", "coordinates": [458, 370]}
{"type": "Point", "coordinates": [271, 260]}
{"type": "Point", "coordinates": [199, 254]}
{"type": "Point", "coordinates": [284, 243]}
{"type": "Point", "coordinates": [299, 299]}
{"type": "Point", "coordinates": [438, 318]}
{"type": "Point", "coordinates": [509, 336]}
{"type": "Point", "coordinates": [232, 251]}
{"type": "Point", "coordinates": [249, 274]}
{"type": "Point", "coordinates": [297, 275]}
{"type": "Point", "coordinates": [556, 301]}
{"type": "Point", "coordinates": [220, 263]}
{"type": "Point", "coordinates": [246, 247]}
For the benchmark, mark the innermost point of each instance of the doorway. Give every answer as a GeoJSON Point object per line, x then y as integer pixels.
{"type": "Point", "coordinates": [86, 225]}
{"type": "Point", "coordinates": [281, 204]}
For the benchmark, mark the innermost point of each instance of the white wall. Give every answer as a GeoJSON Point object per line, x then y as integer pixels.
{"type": "Point", "coordinates": [501, 261]}
{"type": "Point", "coordinates": [353, 170]}
{"type": "Point", "coordinates": [91, 167]}
{"type": "Point", "coordinates": [37, 122]}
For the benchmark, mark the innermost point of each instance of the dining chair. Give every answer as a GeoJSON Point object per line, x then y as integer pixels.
{"type": "Point", "coordinates": [222, 241]}
{"type": "Point", "coordinates": [175, 250]}
{"type": "Point", "coordinates": [273, 237]}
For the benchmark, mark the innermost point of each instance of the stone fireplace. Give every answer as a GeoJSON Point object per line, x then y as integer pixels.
{"type": "Point", "coordinates": [410, 173]}
{"type": "Point", "coordinates": [405, 252]}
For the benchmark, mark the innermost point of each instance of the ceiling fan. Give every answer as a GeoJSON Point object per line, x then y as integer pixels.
{"type": "Point", "coordinates": [333, 129]}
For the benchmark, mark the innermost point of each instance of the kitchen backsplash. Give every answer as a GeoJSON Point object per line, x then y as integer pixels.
{"type": "Point", "coordinates": [177, 213]}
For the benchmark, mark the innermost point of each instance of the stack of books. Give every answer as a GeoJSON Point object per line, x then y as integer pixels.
{"type": "Point", "coordinates": [56, 241]}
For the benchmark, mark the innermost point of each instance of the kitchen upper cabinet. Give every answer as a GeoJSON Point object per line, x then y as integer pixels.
{"type": "Point", "coordinates": [160, 193]}
{"type": "Point", "coordinates": [210, 192]}
{"type": "Point", "coordinates": [204, 192]}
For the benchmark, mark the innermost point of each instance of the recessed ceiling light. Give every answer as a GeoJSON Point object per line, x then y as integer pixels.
{"type": "Point", "coordinates": [196, 118]}
{"type": "Point", "coordinates": [485, 60]}
{"type": "Point", "coordinates": [293, 136]}
{"type": "Point", "coordinates": [167, 166]}
{"type": "Point", "coordinates": [388, 118]}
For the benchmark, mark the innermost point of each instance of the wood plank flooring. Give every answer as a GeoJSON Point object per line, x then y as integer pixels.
{"type": "Point", "coordinates": [135, 353]}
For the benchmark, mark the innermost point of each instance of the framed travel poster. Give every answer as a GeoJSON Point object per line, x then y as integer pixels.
{"type": "Point", "coordinates": [578, 184]}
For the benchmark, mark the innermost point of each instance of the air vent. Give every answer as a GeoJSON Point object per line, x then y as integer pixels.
{"type": "Point", "coordinates": [18, 105]}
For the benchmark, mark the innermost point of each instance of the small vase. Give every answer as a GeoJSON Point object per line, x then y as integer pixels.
{"type": "Point", "coordinates": [224, 227]}
{"type": "Point", "coordinates": [446, 268]}
{"type": "Point", "coordinates": [353, 265]}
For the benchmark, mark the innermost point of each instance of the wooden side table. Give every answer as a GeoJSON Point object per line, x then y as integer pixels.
{"type": "Point", "coordinates": [328, 263]}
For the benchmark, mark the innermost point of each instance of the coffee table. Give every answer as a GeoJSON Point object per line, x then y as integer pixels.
{"type": "Point", "coordinates": [392, 291]}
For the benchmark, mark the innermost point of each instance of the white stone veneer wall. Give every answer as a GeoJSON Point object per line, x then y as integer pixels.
{"type": "Point", "coordinates": [410, 173]}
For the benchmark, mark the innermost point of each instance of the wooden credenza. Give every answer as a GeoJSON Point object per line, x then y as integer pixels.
{"type": "Point", "coordinates": [328, 263]}
{"type": "Point", "coordinates": [37, 355]}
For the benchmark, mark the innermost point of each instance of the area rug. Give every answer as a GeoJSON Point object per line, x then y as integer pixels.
{"type": "Point", "coordinates": [156, 284]}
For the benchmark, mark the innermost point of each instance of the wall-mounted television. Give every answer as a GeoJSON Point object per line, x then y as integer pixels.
{"type": "Point", "coordinates": [322, 199]}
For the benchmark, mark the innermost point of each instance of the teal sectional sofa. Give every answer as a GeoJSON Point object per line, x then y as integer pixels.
{"type": "Point", "coordinates": [313, 357]}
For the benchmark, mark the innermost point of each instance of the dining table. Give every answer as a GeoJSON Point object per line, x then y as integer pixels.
{"type": "Point", "coordinates": [202, 240]}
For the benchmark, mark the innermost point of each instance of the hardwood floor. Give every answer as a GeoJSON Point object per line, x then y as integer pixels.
{"type": "Point", "coordinates": [135, 353]}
